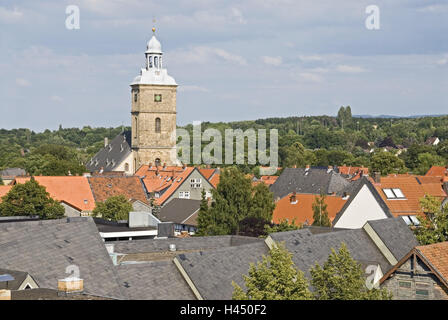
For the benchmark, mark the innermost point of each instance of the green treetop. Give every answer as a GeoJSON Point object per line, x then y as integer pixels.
{"type": "Point", "coordinates": [320, 212]}
{"type": "Point", "coordinates": [115, 208]}
{"type": "Point", "coordinates": [30, 199]}
{"type": "Point", "coordinates": [274, 278]}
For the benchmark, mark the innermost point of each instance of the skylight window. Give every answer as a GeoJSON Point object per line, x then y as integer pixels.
{"type": "Point", "coordinates": [394, 193]}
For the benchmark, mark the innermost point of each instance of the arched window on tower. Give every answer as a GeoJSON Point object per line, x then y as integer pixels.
{"type": "Point", "coordinates": [157, 162]}
{"type": "Point", "coordinates": [158, 125]}
{"type": "Point", "coordinates": [156, 62]}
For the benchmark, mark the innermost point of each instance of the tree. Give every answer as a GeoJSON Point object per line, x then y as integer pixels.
{"type": "Point", "coordinates": [341, 278]}
{"type": "Point", "coordinates": [434, 225]}
{"type": "Point", "coordinates": [426, 161]}
{"type": "Point", "coordinates": [1, 182]}
{"type": "Point", "coordinates": [320, 212]}
{"type": "Point", "coordinates": [30, 199]}
{"type": "Point", "coordinates": [283, 226]}
{"type": "Point", "coordinates": [115, 208]}
{"type": "Point", "coordinates": [386, 163]}
{"type": "Point", "coordinates": [233, 200]}
{"type": "Point", "coordinates": [295, 156]}
{"type": "Point", "coordinates": [274, 278]}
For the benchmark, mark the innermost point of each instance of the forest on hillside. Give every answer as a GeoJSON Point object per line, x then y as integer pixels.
{"type": "Point", "coordinates": [306, 140]}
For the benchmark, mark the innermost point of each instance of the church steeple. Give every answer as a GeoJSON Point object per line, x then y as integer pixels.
{"type": "Point", "coordinates": [154, 73]}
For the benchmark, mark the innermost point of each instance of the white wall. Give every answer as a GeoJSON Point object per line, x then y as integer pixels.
{"type": "Point", "coordinates": [363, 208]}
{"type": "Point", "coordinates": [130, 161]}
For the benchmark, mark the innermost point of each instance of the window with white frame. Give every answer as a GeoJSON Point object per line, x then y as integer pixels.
{"type": "Point", "coordinates": [184, 194]}
{"type": "Point", "coordinates": [394, 193]}
{"type": "Point", "coordinates": [196, 183]}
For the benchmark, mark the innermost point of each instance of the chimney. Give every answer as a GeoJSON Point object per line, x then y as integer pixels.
{"type": "Point", "coordinates": [377, 177]}
{"type": "Point", "coordinates": [208, 166]}
{"type": "Point", "coordinates": [5, 294]}
{"type": "Point", "coordinates": [307, 166]}
{"type": "Point", "coordinates": [330, 167]}
{"type": "Point", "coordinates": [106, 141]}
{"type": "Point", "coordinates": [70, 285]}
{"type": "Point", "coordinates": [293, 198]}
{"type": "Point", "coordinates": [172, 247]}
{"type": "Point", "coordinates": [183, 165]}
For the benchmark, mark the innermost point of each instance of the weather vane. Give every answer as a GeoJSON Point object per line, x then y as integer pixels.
{"type": "Point", "coordinates": [153, 25]}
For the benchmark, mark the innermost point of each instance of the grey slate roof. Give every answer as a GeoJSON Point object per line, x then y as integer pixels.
{"type": "Point", "coordinates": [156, 280]}
{"type": "Point", "coordinates": [182, 244]}
{"type": "Point", "coordinates": [19, 277]}
{"type": "Point", "coordinates": [45, 248]}
{"type": "Point", "coordinates": [313, 181]}
{"type": "Point", "coordinates": [212, 272]}
{"type": "Point", "coordinates": [396, 235]}
{"type": "Point", "coordinates": [113, 154]}
{"type": "Point", "coordinates": [178, 210]}
{"type": "Point", "coordinates": [12, 172]}
{"type": "Point", "coordinates": [307, 249]}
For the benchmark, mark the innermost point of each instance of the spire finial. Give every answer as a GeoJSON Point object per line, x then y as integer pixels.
{"type": "Point", "coordinates": [153, 26]}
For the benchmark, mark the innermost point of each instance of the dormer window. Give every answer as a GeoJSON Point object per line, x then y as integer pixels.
{"type": "Point", "coordinates": [394, 193]}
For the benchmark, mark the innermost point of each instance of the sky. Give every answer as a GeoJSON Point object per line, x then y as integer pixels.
{"type": "Point", "coordinates": [233, 60]}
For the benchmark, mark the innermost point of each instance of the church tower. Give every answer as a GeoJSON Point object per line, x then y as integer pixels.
{"type": "Point", "coordinates": [153, 111]}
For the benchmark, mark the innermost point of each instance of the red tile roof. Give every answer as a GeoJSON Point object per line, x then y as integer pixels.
{"type": "Point", "coordinates": [106, 187]}
{"type": "Point", "coordinates": [73, 190]}
{"type": "Point", "coordinates": [353, 170]}
{"type": "Point", "coordinates": [4, 190]}
{"type": "Point", "coordinates": [412, 188]}
{"type": "Point", "coordinates": [175, 182]}
{"type": "Point", "coordinates": [438, 171]}
{"type": "Point", "coordinates": [302, 211]}
{"type": "Point", "coordinates": [437, 255]}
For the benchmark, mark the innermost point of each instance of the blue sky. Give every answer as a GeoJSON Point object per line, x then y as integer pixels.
{"type": "Point", "coordinates": [233, 60]}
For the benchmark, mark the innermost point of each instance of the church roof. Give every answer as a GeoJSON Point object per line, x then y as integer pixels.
{"type": "Point", "coordinates": [154, 46]}
{"type": "Point", "coordinates": [111, 156]}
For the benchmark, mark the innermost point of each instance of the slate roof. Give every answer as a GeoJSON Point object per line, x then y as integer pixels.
{"type": "Point", "coordinates": [312, 180]}
{"type": "Point", "coordinates": [111, 156]}
{"type": "Point", "coordinates": [212, 272]}
{"type": "Point", "coordinates": [19, 277]}
{"type": "Point", "coordinates": [44, 249]}
{"type": "Point", "coordinates": [105, 187]}
{"type": "Point", "coordinates": [12, 172]}
{"type": "Point", "coordinates": [156, 280]}
{"type": "Point", "coordinates": [396, 235]}
{"type": "Point", "coordinates": [179, 210]}
{"type": "Point", "coordinates": [50, 294]}
{"type": "Point", "coordinates": [193, 243]}
{"type": "Point", "coordinates": [307, 249]}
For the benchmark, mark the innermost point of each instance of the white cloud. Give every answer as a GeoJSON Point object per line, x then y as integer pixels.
{"type": "Point", "coordinates": [10, 16]}
{"type": "Point", "coordinates": [349, 69]}
{"type": "Point", "coordinates": [310, 77]}
{"type": "Point", "coordinates": [22, 82]}
{"type": "Point", "coordinates": [273, 61]}
{"type": "Point", "coordinates": [56, 98]}
{"type": "Point", "coordinates": [237, 16]}
{"type": "Point", "coordinates": [311, 58]}
{"type": "Point", "coordinates": [207, 55]}
{"type": "Point", "coordinates": [192, 88]}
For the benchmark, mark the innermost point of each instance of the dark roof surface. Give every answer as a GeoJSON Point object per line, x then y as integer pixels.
{"type": "Point", "coordinates": [19, 277]}
{"type": "Point", "coordinates": [178, 210]}
{"type": "Point", "coordinates": [50, 294]}
{"type": "Point", "coordinates": [307, 249]}
{"type": "Point", "coordinates": [44, 249]}
{"type": "Point", "coordinates": [113, 154]}
{"type": "Point", "coordinates": [212, 272]}
{"type": "Point", "coordinates": [396, 235]}
{"type": "Point", "coordinates": [156, 280]}
{"type": "Point", "coordinates": [12, 172]}
{"type": "Point", "coordinates": [182, 244]}
{"type": "Point", "coordinates": [314, 181]}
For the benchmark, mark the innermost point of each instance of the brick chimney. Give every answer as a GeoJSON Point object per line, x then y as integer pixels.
{"type": "Point", "coordinates": [5, 294]}
{"type": "Point", "coordinates": [293, 198]}
{"type": "Point", "coordinates": [70, 285]}
{"type": "Point", "coordinates": [377, 177]}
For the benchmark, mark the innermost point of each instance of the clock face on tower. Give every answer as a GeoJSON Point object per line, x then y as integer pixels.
{"type": "Point", "coordinates": [157, 98]}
